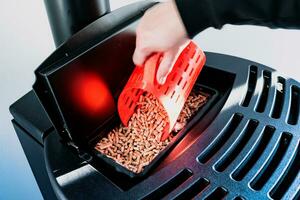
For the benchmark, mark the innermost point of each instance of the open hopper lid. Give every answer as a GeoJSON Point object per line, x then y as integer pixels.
{"type": "Point", "coordinates": [78, 85]}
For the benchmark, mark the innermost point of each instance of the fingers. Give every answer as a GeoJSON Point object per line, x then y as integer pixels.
{"type": "Point", "coordinates": [140, 56]}
{"type": "Point", "coordinates": [168, 61]}
{"type": "Point", "coordinates": [165, 66]}
{"type": "Point", "coordinates": [142, 50]}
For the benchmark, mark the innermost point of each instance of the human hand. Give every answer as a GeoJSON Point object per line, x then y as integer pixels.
{"type": "Point", "coordinates": [160, 30]}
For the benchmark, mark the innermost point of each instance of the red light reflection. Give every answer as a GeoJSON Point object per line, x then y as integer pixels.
{"type": "Point", "coordinates": [92, 94]}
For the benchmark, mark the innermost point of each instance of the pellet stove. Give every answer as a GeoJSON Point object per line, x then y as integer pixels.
{"type": "Point", "coordinates": [243, 145]}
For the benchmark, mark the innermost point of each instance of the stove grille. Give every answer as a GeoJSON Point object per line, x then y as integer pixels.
{"type": "Point", "coordinates": [221, 139]}
{"type": "Point", "coordinates": [254, 155]}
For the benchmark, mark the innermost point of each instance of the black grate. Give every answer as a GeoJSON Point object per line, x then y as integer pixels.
{"type": "Point", "coordinates": [272, 163]}
{"type": "Point", "coordinates": [249, 156]}
{"type": "Point", "coordinates": [221, 140]}
{"type": "Point", "coordinates": [252, 151]}
{"type": "Point", "coordinates": [254, 155]}
{"type": "Point", "coordinates": [237, 146]}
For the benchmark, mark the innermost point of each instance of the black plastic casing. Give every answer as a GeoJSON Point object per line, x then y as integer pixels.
{"type": "Point", "coordinates": [86, 40]}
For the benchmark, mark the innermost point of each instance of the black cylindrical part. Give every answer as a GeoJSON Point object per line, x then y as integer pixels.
{"type": "Point", "coordinates": [67, 17]}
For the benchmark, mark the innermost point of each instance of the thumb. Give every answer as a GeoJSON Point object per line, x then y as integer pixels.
{"type": "Point", "coordinates": [140, 56]}
{"type": "Point", "coordinates": [165, 66]}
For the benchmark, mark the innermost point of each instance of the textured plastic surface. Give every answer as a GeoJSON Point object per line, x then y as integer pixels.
{"type": "Point", "coordinates": [172, 94]}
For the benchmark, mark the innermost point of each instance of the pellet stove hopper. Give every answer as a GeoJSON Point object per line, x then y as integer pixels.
{"type": "Point", "coordinates": [244, 146]}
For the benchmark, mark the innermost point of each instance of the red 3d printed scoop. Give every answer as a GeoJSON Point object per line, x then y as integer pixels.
{"type": "Point", "coordinates": [172, 94]}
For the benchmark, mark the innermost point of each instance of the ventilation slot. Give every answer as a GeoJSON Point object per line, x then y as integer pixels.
{"type": "Point", "coordinates": [265, 92]}
{"type": "Point", "coordinates": [273, 162]}
{"type": "Point", "coordinates": [234, 152]}
{"type": "Point", "coordinates": [288, 178]}
{"type": "Point", "coordinates": [294, 108]}
{"type": "Point", "coordinates": [220, 141]}
{"type": "Point", "coordinates": [239, 198]}
{"type": "Point", "coordinates": [198, 58]}
{"type": "Point", "coordinates": [219, 193]}
{"type": "Point", "coordinates": [171, 185]}
{"type": "Point", "coordinates": [194, 190]}
{"type": "Point", "coordinates": [279, 98]}
{"type": "Point", "coordinates": [191, 72]}
{"type": "Point", "coordinates": [166, 91]}
{"type": "Point", "coordinates": [246, 166]}
{"type": "Point", "coordinates": [252, 79]}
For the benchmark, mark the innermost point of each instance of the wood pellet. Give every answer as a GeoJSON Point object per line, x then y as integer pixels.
{"type": "Point", "coordinates": [135, 146]}
{"type": "Point", "coordinates": [193, 103]}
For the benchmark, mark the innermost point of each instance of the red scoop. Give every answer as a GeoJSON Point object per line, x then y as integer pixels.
{"type": "Point", "coordinates": [172, 94]}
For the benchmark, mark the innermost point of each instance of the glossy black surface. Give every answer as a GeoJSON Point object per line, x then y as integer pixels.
{"type": "Point", "coordinates": [67, 17]}
{"type": "Point", "coordinates": [36, 122]}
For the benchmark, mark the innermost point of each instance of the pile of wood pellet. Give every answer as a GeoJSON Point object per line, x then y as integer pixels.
{"type": "Point", "coordinates": [135, 146]}
{"type": "Point", "coordinates": [194, 101]}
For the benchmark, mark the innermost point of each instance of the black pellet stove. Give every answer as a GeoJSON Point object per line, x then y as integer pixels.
{"type": "Point", "coordinates": [244, 145]}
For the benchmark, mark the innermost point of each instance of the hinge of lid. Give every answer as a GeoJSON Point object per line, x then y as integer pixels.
{"type": "Point", "coordinates": [85, 156]}
{"type": "Point", "coordinates": [82, 154]}
{"type": "Point", "coordinates": [66, 131]}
